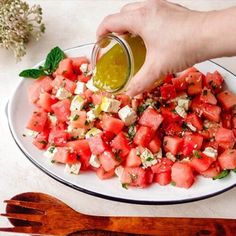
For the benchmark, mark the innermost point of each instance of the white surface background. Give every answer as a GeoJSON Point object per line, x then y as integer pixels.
{"type": "Point", "coordinates": [70, 23]}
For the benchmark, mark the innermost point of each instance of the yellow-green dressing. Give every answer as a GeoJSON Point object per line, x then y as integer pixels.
{"type": "Point", "coordinates": [113, 70]}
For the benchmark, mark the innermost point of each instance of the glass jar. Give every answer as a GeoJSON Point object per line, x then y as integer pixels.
{"type": "Point", "coordinates": [115, 60]}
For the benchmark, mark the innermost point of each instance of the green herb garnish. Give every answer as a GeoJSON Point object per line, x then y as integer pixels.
{"type": "Point", "coordinates": [131, 131]}
{"type": "Point", "coordinates": [142, 108]}
{"type": "Point", "coordinates": [205, 92]}
{"type": "Point", "coordinates": [117, 155]}
{"type": "Point", "coordinates": [51, 149]}
{"type": "Point", "coordinates": [125, 186]}
{"type": "Point", "coordinates": [184, 126]}
{"type": "Point", "coordinates": [43, 142]}
{"type": "Point", "coordinates": [133, 177]}
{"type": "Point", "coordinates": [91, 105]}
{"type": "Point", "coordinates": [149, 159]}
{"type": "Point", "coordinates": [75, 117]}
{"type": "Point", "coordinates": [173, 183]}
{"type": "Point", "coordinates": [52, 61]}
{"type": "Point", "coordinates": [234, 170]}
{"type": "Point", "coordinates": [197, 154]}
{"type": "Point", "coordinates": [222, 174]}
{"type": "Point", "coordinates": [86, 122]}
{"type": "Point", "coordinates": [32, 73]}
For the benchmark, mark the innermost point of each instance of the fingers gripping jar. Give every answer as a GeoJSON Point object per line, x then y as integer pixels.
{"type": "Point", "coordinates": [115, 60]}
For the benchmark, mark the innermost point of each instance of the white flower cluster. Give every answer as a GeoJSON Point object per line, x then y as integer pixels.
{"type": "Point", "coordinates": [18, 23]}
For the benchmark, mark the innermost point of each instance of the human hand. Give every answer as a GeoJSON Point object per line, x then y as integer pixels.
{"type": "Point", "coordinates": [170, 33]}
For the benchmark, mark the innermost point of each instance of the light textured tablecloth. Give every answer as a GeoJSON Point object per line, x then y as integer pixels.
{"type": "Point", "coordinates": [70, 23]}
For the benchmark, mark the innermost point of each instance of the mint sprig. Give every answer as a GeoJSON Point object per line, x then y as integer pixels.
{"type": "Point", "coordinates": [222, 174]}
{"type": "Point", "coordinates": [52, 61]}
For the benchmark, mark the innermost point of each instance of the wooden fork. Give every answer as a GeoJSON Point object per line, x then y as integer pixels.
{"type": "Point", "coordinates": [38, 213]}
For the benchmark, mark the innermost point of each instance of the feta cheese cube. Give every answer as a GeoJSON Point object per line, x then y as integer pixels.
{"type": "Point", "coordinates": [92, 132]}
{"type": "Point", "coordinates": [84, 68]}
{"type": "Point", "coordinates": [193, 128]}
{"type": "Point", "coordinates": [73, 169]}
{"type": "Point", "coordinates": [147, 158]}
{"type": "Point", "coordinates": [77, 103]}
{"type": "Point", "coordinates": [119, 171]}
{"type": "Point", "coordinates": [50, 152]}
{"type": "Point", "coordinates": [184, 103]}
{"type": "Point", "coordinates": [210, 152]}
{"type": "Point", "coordinates": [91, 116]}
{"type": "Point", "coordinates": [52, 118]}
{"type": "Point", "coordinates": [127, 115]}
{"type": "Point", "coordinates": [80, 87]}
{"type": "Point", "coordinates": [181, 111]}
{"type": "Point", "coordinates": [76, 132]}
{"type": "Point", "coordinates": [110, 105]}
{"type": "Point", "coordinates": [183, 95]}
{"type": "Point", "coordinates": [31, 133]}
{"type": "Point", "coordinates": [93, 161]}
{"type": "Point", "coordinates": [170, 156]}
{"type": "Point", "coordinates": [91, 86]}
{"type": "Point", "coordinates": [93, 113]}
{"type": "Point", "coordinates": [62, 93]}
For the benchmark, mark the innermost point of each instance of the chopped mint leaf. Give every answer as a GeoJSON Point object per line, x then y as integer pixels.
{"type": "Point", "coordinates": [197, 154]}
{"type": "Point", "coordinates": [125, 186]}
{"type": "Point", "coordinates": [149, 159]}
{"type": "Point", "coordinates": [75, 117]}
{"type": "Point", "coordinates": [142, 108]}
{"type": "Point", "coordinates": [131, 131]}
{"type": "Point", "coordinates": [117, 156]}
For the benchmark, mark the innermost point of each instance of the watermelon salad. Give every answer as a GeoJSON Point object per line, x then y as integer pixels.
{"type": "Point", "coordinates": [182, 129]}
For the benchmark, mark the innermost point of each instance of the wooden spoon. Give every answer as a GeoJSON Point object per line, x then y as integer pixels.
{"type": "Point", "coordinates": [38, 213]}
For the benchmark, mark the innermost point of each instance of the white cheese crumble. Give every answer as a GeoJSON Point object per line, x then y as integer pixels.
{"type": "Point", "coordinates": [184, 103]}
{"type": "Point", "coordinates": [170, 156]}
{"type": "Point", "coordinates": [76, 132]}
{"type": "Point", "coordinates": [31, 133]}
{"type": "Point", "coordinates": [119, 170]}
{"type": "Point", "coordinates": [77, 103]}
{"type": "Point", "coordinates": [127, 115]}
{"type": "Point", "coordinates": [210, 152]}
{"type": "Point", "coordinates": [52, 118]}
{"type": "Point", "coordinates": [147, 158]}
{"type": "Point", "coordinates": [50, 152]}
{"type": "Point", "coordinates": [73, 169]}
{"type": "Point", "coordinates": [193, 128]}
{"type": "Point", "coordinates": [93, 113]}
{"type": "Point", "coordinates": [93, 161]}
{"type": "Point", "coordinates": [182, 96]}
{"type": "Point", "coordinates": [110, 105]}
{"type": "Point", "coordinates": [91, 86]}
{"type": "Point", "coordinates": [181, 111]}
{"type": "Point", "coordinates": [91, 116]}
{"type": "Point", "coordinates": [84, 68]}
{"type": "Point", "coordinates": [62, 93]}
{"type": "Point", "coordinates": [80, 88]}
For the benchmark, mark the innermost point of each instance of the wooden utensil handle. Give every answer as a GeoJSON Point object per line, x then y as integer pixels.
{"type": "Point", "coordinates": [169, 226]}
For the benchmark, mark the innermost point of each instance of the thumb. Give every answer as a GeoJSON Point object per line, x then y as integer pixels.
{"type": "Point", "coordinates": [145, 78]}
